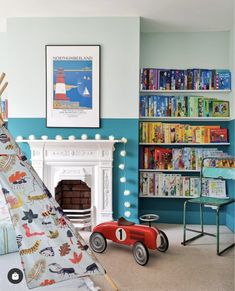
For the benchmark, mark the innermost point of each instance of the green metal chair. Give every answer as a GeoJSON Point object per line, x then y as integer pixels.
{"type": "Point", "coordinates": [222, 173]}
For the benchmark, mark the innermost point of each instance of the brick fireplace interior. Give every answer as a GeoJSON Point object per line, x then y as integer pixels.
{"type": "Point", "coordinates": [74, 196]}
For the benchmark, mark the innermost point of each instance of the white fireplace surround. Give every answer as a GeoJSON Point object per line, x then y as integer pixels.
{"type": "Point", "coordinates": [88, 160]}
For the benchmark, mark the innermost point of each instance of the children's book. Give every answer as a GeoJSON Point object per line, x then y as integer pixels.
{"type": "Point", "coordinates": [173, 72]}
{"type": "Point", "coordinates": [151, 184]}
{"type": "Point", "coordinates": [186, 186]}
{"type": "Point", "coordinates": [218, 135]}
{"type": "Point", "coordinates": [223, 80]}
{"type": "Point", "coordinates": [156, 177]}
{"type": "Point", "coordinates": [164, 79]}
{"type": "Point", "coordinates": [190, 79]}
{"type": "Point", "coordinates": [143, 101]}
{"type": "Point", "coordinates": [220, 108]}
{"type": "Point", "coordinates": [206, 79]}
{"type": "Point", "coordinates": [144, 181]}
{"type": "Point", "coordinates": [145, 79]}
{"type": "Point", "coordinates": [195, 186]}
{"type": "Point", "coordinates": [172, 185]}
{"type": "Point", "coordinates": [196, 79]}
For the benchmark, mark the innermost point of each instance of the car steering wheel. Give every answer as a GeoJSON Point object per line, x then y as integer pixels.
{"type": "Point", "coordinates": [149, 218]}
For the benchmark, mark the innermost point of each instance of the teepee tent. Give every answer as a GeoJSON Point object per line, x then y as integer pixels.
{"type": "Point", "coordinates": [51, 249]}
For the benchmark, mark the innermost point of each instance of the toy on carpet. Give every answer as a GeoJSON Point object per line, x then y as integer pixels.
{"type": "Point", "coordinates": [125, 232]}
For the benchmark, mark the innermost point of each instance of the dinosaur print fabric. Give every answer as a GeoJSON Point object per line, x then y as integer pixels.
{"type": "Point", "coordinates": [50, 247]}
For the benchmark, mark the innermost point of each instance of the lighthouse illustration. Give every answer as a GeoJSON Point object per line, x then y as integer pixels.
{"type": "Point", "coordinates": [60, 88]}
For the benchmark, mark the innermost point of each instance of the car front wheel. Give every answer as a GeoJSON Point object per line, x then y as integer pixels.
{"type": "Point", "coordinates": [162, 242]}
{"type": "Point", "coordinates": [140, 253]}
{"type": "Point", "coordinates": [98, 242]}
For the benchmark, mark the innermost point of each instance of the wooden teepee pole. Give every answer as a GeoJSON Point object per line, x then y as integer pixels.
{"type": "Point", "coordinates": [2, 76]}
{"type": "Point", "coordinates": [111, 282]}
{"type": "Point", "coordinates": [3, 88]}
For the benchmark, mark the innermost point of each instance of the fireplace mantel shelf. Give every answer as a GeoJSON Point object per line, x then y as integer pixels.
{"type": "Point", "coordinates": [70, 141]}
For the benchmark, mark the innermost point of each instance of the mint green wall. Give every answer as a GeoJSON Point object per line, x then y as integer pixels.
{"type": "Point", "coordinates": [119, 40]}
{"type": "Point", "coordinates": [185, 50]}
{"type": "Point", "coordinates": [3, 52]}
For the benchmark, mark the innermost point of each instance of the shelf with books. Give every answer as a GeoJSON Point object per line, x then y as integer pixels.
{"type": "Point", "coordinates": [168, 118]}
{"type": "Point", "coordinates": [167, 197]}
{"type": "Point", "coordinates": [187, 144]}
{"type": "Point", "coordinates": [184, 91]}
{"type": "Point", "coordinates": [170, 171]}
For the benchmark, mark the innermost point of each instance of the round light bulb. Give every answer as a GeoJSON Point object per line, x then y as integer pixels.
{"type": "Point", "coordinates": [58, 137]}
{"type": "Point", "coordinates": [121, 166]}
{"type": "Point", "coordinates": [124, 140]}
{"type": "Point", "coordinates": [127, 213]}
{"type": "Point", "coordinates": [111, 137]}
{"type": "Point", "coordinates": [72, 137]}
{"type": "Point", "coordinates": [127, 192]}
{"type": "Point", "coordinates": [123, 179]}
{"type": "Point", "coordinates": [97, 136]}
{"type": "Point", "coordinates": [44, 137]}
{"type": "Point", "coordinates": [31, 137]}
{"type": "Point", "coordinates": [123, 153]}
{"type": "Point", "coordinates": [127, 204]}
{"type": "Point", "coordinates": [19, 137]}
{"type": "Point", "coordinates": [84, 136]}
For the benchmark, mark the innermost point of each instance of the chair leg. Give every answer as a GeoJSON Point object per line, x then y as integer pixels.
{"type": "Point", "coordinates": [184, 221]}
{"type": "Point", "coordinates": [217, 230]}
{"type": "Point", "coordinates": [201, 218]}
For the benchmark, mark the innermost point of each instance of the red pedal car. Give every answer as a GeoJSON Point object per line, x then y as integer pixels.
{"type": "Point", "coordinates": [141, 237]}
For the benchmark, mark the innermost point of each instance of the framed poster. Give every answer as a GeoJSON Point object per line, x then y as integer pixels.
{"type": "Point", "coordinates": [73, 85]}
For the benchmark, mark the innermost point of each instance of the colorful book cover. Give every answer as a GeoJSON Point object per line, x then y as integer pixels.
{"type": "Point", "coordinates": [195, 186]}
{"type": "Point", "coordinates": [220, 108]}
{"type": "Point", "coordinates": [216, 188]}
{"type": "Point", "coordinates": [160, 183]}
{"type": "Point", "coordinates": [164, 79]}
{"type": "Point", "coordinates": [156, 183]}
{"type": "Point", "coordinates": [219, 135]}
{"type": "Point", "coordinates": [143, 101]}
{"type": "Point", "coordinates": [151, 107]}
{"type": "Point", "coordinates": [177, 159]}
{"type": "Point", "coordinates": [167, 132]}
{"type": "Point", "coordinates": [172, 185]}
{"type": "Point", "coordinates": [200, 107]}
{"type": "Point", "coordinates": [151, 184]}
{"type": "Point", "coordinates": [206, 107]}
{"type": "Point", "coordinates": [172, 79]}
{"type": "Point", "coordinates": [196, 79]}
{"type": "Point", "coordinates": [190, 79]}
{"type": "Point", "coordinates": [223, 80]}
{"type": "Point", "coordinates": [206, 79]}
{"type": "Point", "coordinates": [151, 79]}
{"type": "Point", "coordinates": [161, 109]}
{"type": "Point", "coordinates": [144, 181]}
{"type": "Point", "coordinates": [187, 158]}
{"type": "Point", "coordinates": [186, 186]}
{"type": "Point", "coordinates": [178, 185]}
{"type": "Point", "coordinates": [155, 98]}
{"type": "Point", "coordinates": [146, 157]}
{"type": "Point", "coordinates": [179, 79]}
{"type": "Point", "coordinates": [157, 136]}
{"type": "Point", "coordinates": [173, 133]}
{"type": "Point", "coordinates": [145, 79]}
{"type": "Point", "coordinates": [165, 185]}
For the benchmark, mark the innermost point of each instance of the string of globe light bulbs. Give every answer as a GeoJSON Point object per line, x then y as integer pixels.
{"type": "Point", "coordinates": [123, 180]}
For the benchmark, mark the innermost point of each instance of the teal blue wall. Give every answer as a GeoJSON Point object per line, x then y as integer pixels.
{"type": "Point", "coordinates": [119, 128]}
